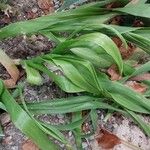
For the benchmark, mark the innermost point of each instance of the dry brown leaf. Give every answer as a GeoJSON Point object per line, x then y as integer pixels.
{"type": "Point", "coordinates": [46, 5]}
{"type": "Point", "coordinates": [138, 87]}
{"type": "Point", "coordinates": [107, 140]}
{"type": "Point", "coordinates": [114, 73]}
{"type": "Point", "coordinates": [125, 53]}
{"type": "Point", "coordinates": [117, 41]}
{"type": "Point", "coordinates": [11, 69]}
{"type": "Point", "coordinates": [29, 145]}
{"type": "Point", "coordinates": [145, 76]}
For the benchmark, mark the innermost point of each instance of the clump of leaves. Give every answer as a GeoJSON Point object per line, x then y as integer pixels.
{"type": "Point", "coordinates": [83, 59]}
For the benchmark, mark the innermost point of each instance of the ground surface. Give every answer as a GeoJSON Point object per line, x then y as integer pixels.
{"type": "Point", "coordinates": [25, 47]}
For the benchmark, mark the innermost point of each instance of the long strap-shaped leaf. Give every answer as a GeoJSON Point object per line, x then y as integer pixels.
{"type": "Point", "coordinates": [35, 25]}
{"type": "Point", "coordinates": [136, 8]}
{"type": "Point", "coordinates": [76, 104]}
{"type": "Point", "coordinates": [23, 122]}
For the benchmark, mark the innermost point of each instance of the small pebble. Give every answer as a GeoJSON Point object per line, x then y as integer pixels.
{"type": "Point", "coordinates": [60, 116]}
{"type": "Point", "coordinates": [34, 10]}
{"type": "Point", "coordinates": [70, 133]}
{"type": "Point", "coordinates": [61, 121]}
{"type": "Point", "coordinates": [84, 145]}
{"type": "Point", "coordinates": [7, 140]}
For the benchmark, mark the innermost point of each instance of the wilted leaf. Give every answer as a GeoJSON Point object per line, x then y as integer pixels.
{"type": "Point", "coordinates": [107, 140]}
{"type": "Point", "coordinates": [29, 145]}
{"type": "Point", "coordinates": [11, 68]}
{"type": "Point", "coordinates": [138, 87]}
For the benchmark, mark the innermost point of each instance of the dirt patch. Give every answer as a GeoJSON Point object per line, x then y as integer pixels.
{"type": "Point", "coordinates": [24, 47]}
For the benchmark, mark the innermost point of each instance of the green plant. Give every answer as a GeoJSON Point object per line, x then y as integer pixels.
{"type": "Point", "coordinates": [81, 58]}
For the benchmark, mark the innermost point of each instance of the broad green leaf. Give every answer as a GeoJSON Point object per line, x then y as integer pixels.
{"type": "Point", "coordinates": [73, 74]}
{"type": "Point", "coordinates": [95, 41]}
{"type": "Point", "coordinates": [136, 8]}
{"type": "Point", "coordinates": [99, 60]}
{"type": "Point", "coordinates": [128, 103]}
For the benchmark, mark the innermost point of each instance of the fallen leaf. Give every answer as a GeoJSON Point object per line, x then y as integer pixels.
{"type": "Point", "coordinates": [138, 87]}
{"type": "Point", "coordinates": [114, 73]}
{"type": "Point", "coordinates": [107, 140]}
{"type": "Point", "coordinates": [11, 69]}
{"type": "Point", "coordinates": [46, 5]}
{"type": "Point", "coordinates": [125, 53]}
{"type": "Point", "coordinates": [117, 41]}
{"type": "Point", "coordinates": [145, 76]}
{"type": "Point", "coordinates": [29, 145]}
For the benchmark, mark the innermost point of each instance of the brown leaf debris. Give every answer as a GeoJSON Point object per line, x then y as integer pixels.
{"type": "Point", "coordinates": [46, 5]}
{"type": "Point", "coordinates": [29, 145]}
{"type": "Point", "coordinates": [138, 87]}
{"type": "Point", "coordinates": [113, 73]}
{"type": "Point", "coordinates": [107, 140]}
